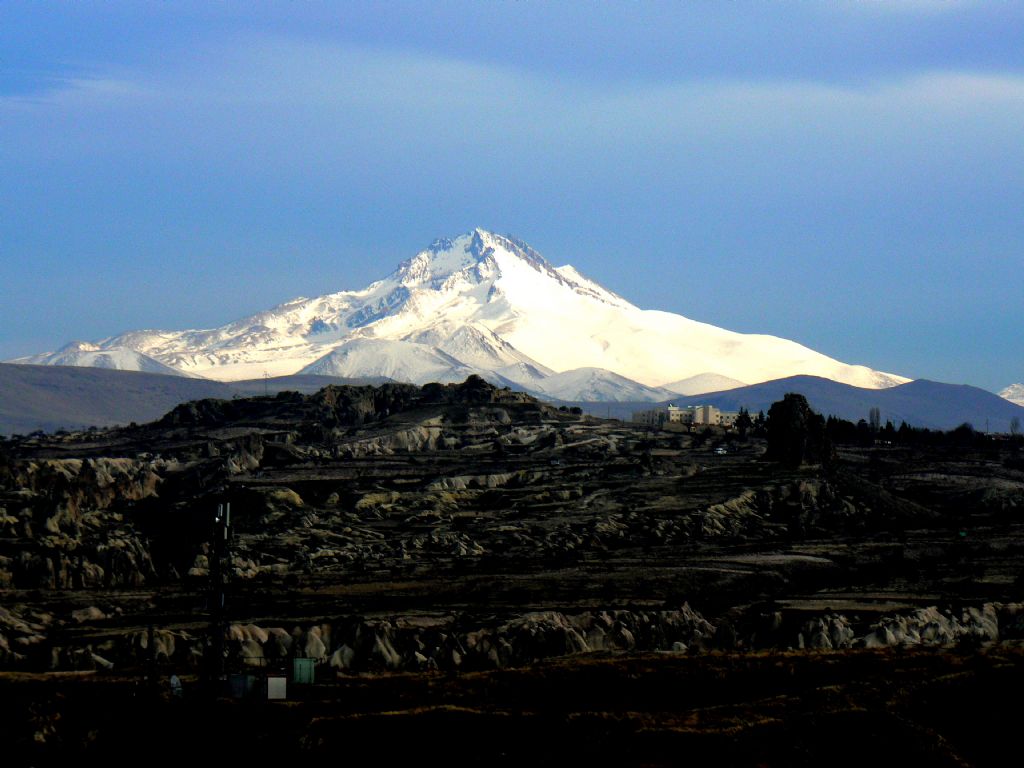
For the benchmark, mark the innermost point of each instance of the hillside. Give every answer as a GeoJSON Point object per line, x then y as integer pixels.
{"type": "Point", "coordinates": [921, 403]}
{"type": "Point", "coordinates": [44, 397]}
{"type": "Point", "coordinates": [34, 397]}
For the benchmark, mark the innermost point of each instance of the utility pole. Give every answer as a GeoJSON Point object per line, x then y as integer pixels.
{"type": "Point", "coordinates": [219, 559]}
{"type": "Point", "coordinates": [266, 384]}
{"type": "Point", "coordinates": [151, 678]}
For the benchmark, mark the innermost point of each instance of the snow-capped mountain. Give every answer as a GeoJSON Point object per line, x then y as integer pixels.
{"type": "Point", "coordinates": [1014, 393]}
{"type": "Point", "coordinates": [486, 303]}
{"type": "Point", "coordinates": [86, 355]}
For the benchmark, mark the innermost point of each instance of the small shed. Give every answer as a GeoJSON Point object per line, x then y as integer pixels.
{"type": "Point", "coordinates": [303, 671]}
{"type": "Point", "coordinates": [241, 685]}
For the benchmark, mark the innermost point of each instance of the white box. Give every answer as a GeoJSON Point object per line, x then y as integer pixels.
{"type": "Point", "coordinates": [277, 688]}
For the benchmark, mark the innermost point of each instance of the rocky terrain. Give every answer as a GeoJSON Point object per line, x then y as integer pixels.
{"type": "Point", "coordinates": [402, 535]}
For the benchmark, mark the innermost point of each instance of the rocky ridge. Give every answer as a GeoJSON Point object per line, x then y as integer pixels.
{"type": "Point", "coordinates": [467, 527]}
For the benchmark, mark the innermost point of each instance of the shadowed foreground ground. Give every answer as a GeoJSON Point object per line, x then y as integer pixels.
{"type": "Point", "coordinates": [876, 707]}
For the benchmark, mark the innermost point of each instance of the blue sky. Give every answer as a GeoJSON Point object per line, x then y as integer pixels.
{"type": "Point", "coordinates": [846, 174]}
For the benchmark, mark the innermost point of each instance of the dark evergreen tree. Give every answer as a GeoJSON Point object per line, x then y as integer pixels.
{"type": "Point", "coordinates": [759, 424]}
{"type": "Point", "coordinates": [743, 422]}
{"type": "Point", "coordinates": [796, 434]}
{"type": "Point", "coordinates": [964, 435]}
{"type": "Point", "coordinates": [864, 435]}
{"type": "Point", "coordinates": [875, 419]}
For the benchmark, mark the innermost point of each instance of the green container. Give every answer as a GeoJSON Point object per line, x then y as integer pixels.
{"type": "Point", "coordinates": [303, 671]}
{"type": "Point", "coordinates": [240, 685]}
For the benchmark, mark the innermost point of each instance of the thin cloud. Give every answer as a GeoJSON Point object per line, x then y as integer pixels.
{"type": "Point", "coordinates": [276, 89]}
{"type": "Point", "coordinates": [908, 6]}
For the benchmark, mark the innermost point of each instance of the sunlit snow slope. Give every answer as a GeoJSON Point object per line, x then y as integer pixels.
{"type": "Point", "coordinates": [488, 303]}
{"type": "Point", "coordinates": [85, 355]}
{"type": "Point", "coordinates": [1014, 393]}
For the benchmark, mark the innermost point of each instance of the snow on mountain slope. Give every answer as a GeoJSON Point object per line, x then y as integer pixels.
{"type": "Point", "coordinates": [703, 382]}
{"type": "Point", "coordinates": [488, 303]}
{"type": "Point", "coordinates": [1014, 393]}
{"type": "Point", "coordinates": [398, 360]}
{"type": "Point", "coordinates": [597, 384]}
{"type": "Point", "coordinates": [565, 323]}
{"type": "Point", "coordinates": [85, 355]}
{"type": "Point", "coordinates": [486, 351]}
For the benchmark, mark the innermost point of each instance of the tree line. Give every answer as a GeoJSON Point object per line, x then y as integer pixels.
{"type": "Point", "coordinates": [796, 434]}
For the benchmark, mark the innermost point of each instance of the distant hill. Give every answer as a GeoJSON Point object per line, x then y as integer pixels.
{"type": "Point", "coordinates": [49, 397]}
{"type": "Point", "coordinates": [920, 403]}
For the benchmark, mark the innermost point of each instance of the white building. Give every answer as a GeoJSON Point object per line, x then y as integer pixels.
{"type": "Point", "coordinates": [698, 415]}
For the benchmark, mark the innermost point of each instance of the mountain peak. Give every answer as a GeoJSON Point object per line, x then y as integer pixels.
{"type": "Point", "coordinates": [442, 244]}
{"type": "Point", "coordinates": [447, 256]}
